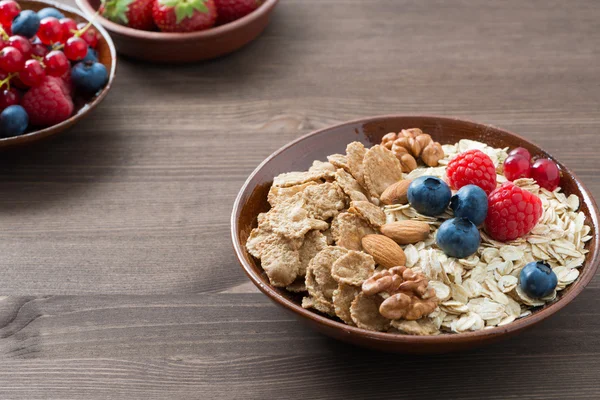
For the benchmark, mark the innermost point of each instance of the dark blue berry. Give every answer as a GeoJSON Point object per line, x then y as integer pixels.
{"type": "Point", "coordinates": [470, 202]}
{"type": "Point", "coordinates": [91, 55]}
{"type": "Point", "coordinates": [26, 24]}
{"type": "Point", "coordinates": [429, 195]}
{"type": "Point", "coordinates": [458, 237]}
{"type": "Point", "coordinates": [13, 121]}
{"type": "Point", "coordinates": [89, 76]}
{"type": "Point", "coordinates": [538, 280]}
{"type": "Point", "coordinates": [50, 12]}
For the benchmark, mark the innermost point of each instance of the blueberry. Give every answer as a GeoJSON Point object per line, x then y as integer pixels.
{"type": "Point", "coordinates": [50, 12]}
{"type": "Point", "coordinates": [89, 76]}
{"type": "Point", "coordinates": [538, 280]}
{"type": "Point", "coordinates": [26, 24]}
{"type": "Point", "coordinates": [13, 121]}
{"type": "Point", "coordinates": [458, 237]}
{"type": "Point", "coordinates": [429, 195]}
{"type": "Point", "coordinates": [470, 202]}
{"type": "Point", "coordinates": [91, 55]}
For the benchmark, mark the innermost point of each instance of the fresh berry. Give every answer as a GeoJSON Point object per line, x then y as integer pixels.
{"type": "Point", "coordinates": [89, 76]}
{"type": "Point", "coordinates": [429, 195]}
{"type": "Point", "coordinates": [470, 202]}
{"type": "Point", "coordinates": [21, 44]}
{"type": "Point", "coordinates": [136, 14]}
{"type": "Point", "coordinates": [516, 167]}
{"type": "Point", "coordinates": [51, 31]}
{"type": "Point", "coordinates": [26, 24]}
{"type": "Point", "coordinates": [512, 212]}
{"type": "Point", "coordinates": [89, 34]}
{"type": "Point", "coordinates": [473, 167]}
{"type": "Point", "coordinates": [538, 280]}
{"type": "Point", "coordinates": [67, 84]}
{"type": "Point", "coordinates": [39, 50]}
{"type": "Point", "coordinates": [11, 59]}
{"type": "Point", "coordinates": [230, 10]}
{"type": "Point", "coordinates": [3, 42]}
{"type": "Point", "coordinates": [75, 49]}
{"type": "Point", "coordinates": [50, 12]}
{"type": "Point", "coordinates": [9, 9]}
{"type": "Point", "coordinates": [521, 151]}
{"type": "Point", "coordinates": [33, 73]}
{"type": "Point", "coordinates": [13, 121]}
{"type": "Point", "coordinates": [69, 27]}
{"type": "Point", "coordinates": [47, 104]}
{"type": "Point", "coordinates": [546, 173]}
{"type": "Point", "coordinates": [184, 15]}
{"type": "Point", "coordinates": [458, 237]}
{"type": "Point", "coordinates": [56, 63]}
{"type": "Point", "coordinates": [8, 98]}
{"type": "Point", "coordinates": [91, 55]}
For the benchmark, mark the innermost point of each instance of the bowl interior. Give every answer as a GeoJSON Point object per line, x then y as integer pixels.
{"type": "Point", "coordinates": [300, 154]}
{"type": "Point", "coordinates": [106, 56]}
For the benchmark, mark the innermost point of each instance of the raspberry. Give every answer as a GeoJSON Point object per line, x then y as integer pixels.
{"type": "Point", "coordinates": [48, 104]}
{"type": "Point", "coordinates": [472, 167]}
{"type": "Point", "coordinates": [512, 212]}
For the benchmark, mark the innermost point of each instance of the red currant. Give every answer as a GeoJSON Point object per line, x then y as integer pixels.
{"type": "Point", "coordinates": [546, 173]}
{"type": "Point", "coordinates": [9, 9]}
{"type": "Point", "coordinates": [8, 98]}
{"type": "Point", "coordinates": [21, 44]}
{"type": "Point", "coordinates": [56, 63]}
{"type": "Point", "coordinates": [51, 31]}
{"type": "Point", "coordinates": [11, 59]}
{"type": "Point", "coordinates": [75, 49]}
{"type": "Point", "coordinates": [521, 151]}
{"type": "Point", "coordinates": [515, 167]}
{"type": "Point", "coordinates": [33, 73]}
{"type": "Point", "coordinates": [90, 35]}
{"type": "Point", "coordinates": [39, 50]}
{"type": "Point", "coordinates": [3, 43]}
{"type": "Point", "coordinates": [69, 27]}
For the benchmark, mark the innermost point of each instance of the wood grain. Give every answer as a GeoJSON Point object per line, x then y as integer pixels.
{"type": "Point", "coordinates": [136, 201]}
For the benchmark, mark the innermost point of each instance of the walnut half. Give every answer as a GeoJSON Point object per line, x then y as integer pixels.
{"type": "Point", "coordinates": [410, 144]}
{"type": "Point", "coordinates": [410, 297]}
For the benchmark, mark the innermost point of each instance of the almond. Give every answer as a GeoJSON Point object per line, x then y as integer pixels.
{"type": "Point", "coordinates": [396, 193]}
{"type": "Point", "coordinates": [406, 232]}
{"type": "Point", "coordinates": [384, 250]}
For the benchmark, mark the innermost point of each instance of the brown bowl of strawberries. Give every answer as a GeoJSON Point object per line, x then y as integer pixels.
{"type": "Point", "coordinates": [179, 31]}
{"type": "Point", "coordinates": [55, 67]}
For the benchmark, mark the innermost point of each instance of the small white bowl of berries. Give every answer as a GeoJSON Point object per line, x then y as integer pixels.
{"type": "Point", "coordinates": [55, 67]}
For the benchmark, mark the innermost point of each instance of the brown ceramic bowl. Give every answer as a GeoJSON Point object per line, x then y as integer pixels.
{"type": "Point", "coordinates": [106, 55]}
{"type": "Point", "coordinates": [299, 155]}
{"type": "Point", "coordinates": [184, 47]}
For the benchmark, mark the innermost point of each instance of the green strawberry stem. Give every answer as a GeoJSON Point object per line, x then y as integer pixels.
{"type": "Point", "coordinates": [185, 8]}
{"type": "Point", "coordinates": [116, 10]}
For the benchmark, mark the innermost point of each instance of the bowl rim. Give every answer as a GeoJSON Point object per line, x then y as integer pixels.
{"type": "Point", "coordinates": [264, 8]}
{"type": "Point", "coordinates": [514, 326]}
{"type": "Point", "coordinates": [31, 136]}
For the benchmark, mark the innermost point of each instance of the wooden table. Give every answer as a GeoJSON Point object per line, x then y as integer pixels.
{"type": "Point", "coordinates": [115, 250]}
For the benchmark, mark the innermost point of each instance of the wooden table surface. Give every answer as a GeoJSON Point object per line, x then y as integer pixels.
{"type": "Point", "coordinates": [115, 254]}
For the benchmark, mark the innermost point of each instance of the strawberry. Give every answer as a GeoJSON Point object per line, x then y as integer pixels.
{"type": "Point", "coordinates": [184, 15]}
{"type": "Point", "coordinates": [136, 14]}
{"type": "Point", "coordinates": [48, 104]}
{"type": "Point", "coordinates": [230, 10]}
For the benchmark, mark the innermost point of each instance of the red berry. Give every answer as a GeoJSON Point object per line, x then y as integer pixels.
{"type": "Point", "coordinates": [3, 43]}
{"type": "Point", "coordinates": [8, 98]}
{"type": "Point", "coordinates": [69, 27]}
{"type": "Point", "coordinates": [11, 59]}
{"type": "Point", "coordinates": [33, 73]}
{"type": "Point", "coordinates": [21, 44]}
{"type": "Point", "coordinates": [75, 49]}
{"type": "Point", "coordinates": [90, 35]}
{"type": "Point", "coordinates": [521, 151]}
{"type": "Point", "coordinates": [39, 50]}
{"type": "Point", "coordinates": [9, 9]}
{"type": "Point", "coordinates": [515, 167]}
{"type": "Point", "coordinates": [136, 14]}
{"type": "Point", "coordinates": [50, 31]}
{"type": "Point", "coordinates": [512, 212]}
{"type": "Point", "coordinates": [472, 167]}
{"type": "Point", "coordinates": [47, 104]}
{"type": "Point", "coordinates": [546, 173]}
{"type": "Point", "coordinates": [230, 10]}
{"type": "Point", "coordinates": [56, 63]}
{"type": "Point", "coordinates": [169, 17]}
